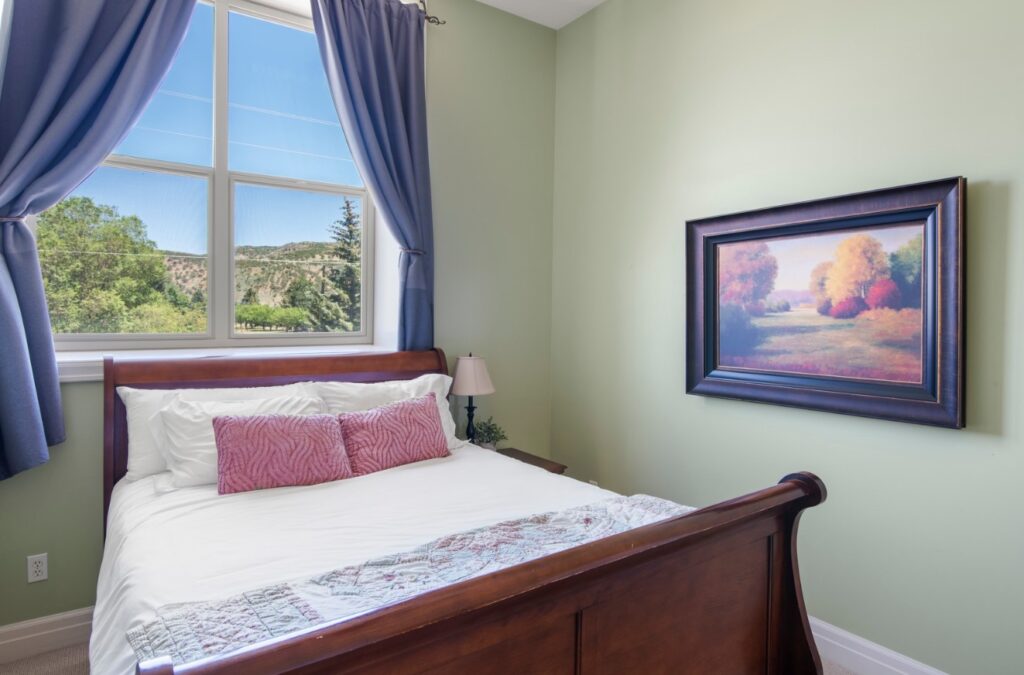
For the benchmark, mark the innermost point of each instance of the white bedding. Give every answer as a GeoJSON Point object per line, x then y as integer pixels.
{"type": "Point", "coordinates": [193, 544]}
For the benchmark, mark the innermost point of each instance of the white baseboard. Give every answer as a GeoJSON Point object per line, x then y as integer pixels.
{"type": "Point", "coordinates": [863, 657]}
{"type": "Point", "coordinates": [38, 636]}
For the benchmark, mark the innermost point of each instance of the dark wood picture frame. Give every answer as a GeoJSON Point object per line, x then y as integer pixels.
{"type": "Point", "coordinates": [938, 399]}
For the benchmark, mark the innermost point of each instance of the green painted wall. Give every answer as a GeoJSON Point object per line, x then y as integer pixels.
{"type": "Point", "coordinates": [491, 106]}
{"type": "Point", "coordinates": [492, 133]}
{"type": "Point", "coordinates": [668, 111]}
{"type": "Point", "coordinates": [58, 509]}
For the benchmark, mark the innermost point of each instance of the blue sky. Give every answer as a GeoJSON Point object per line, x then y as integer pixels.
{"type": "Point", "coordinates": [272, 216]}
{"type": "Point", "coordinates": [282, 122]}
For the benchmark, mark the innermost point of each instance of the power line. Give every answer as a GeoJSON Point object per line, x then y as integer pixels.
{"type": "Point", "coordinates": [252, 108]}
{"type": "Point", "coordinates": [258, 146]}
{"type": "Point", "coordinates": [128, 255]}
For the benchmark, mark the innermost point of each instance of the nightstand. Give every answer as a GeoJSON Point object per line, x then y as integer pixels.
{"type": "Point", "coordinates": [546, 464]}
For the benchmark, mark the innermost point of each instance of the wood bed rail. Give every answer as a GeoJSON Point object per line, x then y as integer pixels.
{"type": "Point", "coordinates": [714, 591]}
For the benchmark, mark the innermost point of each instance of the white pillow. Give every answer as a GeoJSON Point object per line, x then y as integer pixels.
{"type": "Point", "coordinates": [144, 439]}
{"type": "Point", "coordinates": [342, 397]}
{"type": "Point", "coordinates": [190, 446]}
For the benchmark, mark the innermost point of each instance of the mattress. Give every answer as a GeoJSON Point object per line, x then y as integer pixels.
{"type": "Point", "coordinates": [193, 544]}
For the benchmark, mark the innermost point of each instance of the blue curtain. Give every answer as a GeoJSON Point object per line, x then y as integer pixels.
{"type": "Point", "coordinates": [78, 75]}
{"type": "Point", "coordinates": [373, 54]}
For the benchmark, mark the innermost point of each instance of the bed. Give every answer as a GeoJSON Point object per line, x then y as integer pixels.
{"type": "Point", "coordinates": [713, 591]}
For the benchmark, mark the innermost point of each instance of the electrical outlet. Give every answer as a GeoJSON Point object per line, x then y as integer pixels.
{"type": "Point", "coordinates": [37, 568]}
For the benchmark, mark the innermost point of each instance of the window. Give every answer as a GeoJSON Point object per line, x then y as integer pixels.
{"type": "Point", "coordinates": [232, 213]}
{"type": "Point", "coordinates": [301, 276]}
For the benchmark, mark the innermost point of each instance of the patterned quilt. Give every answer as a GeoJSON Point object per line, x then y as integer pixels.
{"type": "Point", "coordinates": [194, 630]}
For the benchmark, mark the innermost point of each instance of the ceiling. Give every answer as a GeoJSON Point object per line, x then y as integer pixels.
{"type": "Point", "coordinates": [550, 13]}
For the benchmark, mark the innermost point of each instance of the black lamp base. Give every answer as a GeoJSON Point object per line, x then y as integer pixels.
{"type": "Point", "coordinates": [470, 429]}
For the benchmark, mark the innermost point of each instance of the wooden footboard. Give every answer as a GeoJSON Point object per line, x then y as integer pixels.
{"type": "Point", "coordinates": [715, 591]}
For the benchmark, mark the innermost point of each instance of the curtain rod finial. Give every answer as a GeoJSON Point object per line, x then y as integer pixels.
{"type": "Point", "coordinates": [429, 18]}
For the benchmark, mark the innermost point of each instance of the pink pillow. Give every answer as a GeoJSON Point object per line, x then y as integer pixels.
{"type": "Point", "coordinates": [395, 434]}
{"type": "Point", "coordinates": [268, 451]}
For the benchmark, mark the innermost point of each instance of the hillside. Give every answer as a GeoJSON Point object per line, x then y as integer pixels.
{"type": "Point", "coordinates": [187, 270]}
{"type": "Point", "coordinates": [268, 269]}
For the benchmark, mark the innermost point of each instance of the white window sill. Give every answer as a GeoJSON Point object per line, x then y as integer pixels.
{"type": "Point", "coordinates": [87, 366]}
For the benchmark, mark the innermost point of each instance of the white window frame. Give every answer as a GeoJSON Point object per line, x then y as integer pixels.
{"type": "Point", "coordinates": [221, 182]}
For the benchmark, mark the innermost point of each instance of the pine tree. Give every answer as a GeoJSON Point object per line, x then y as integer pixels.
{"type": "Point", "coordinates": [347, 233]}
{"type": "Point", "coordinates": [250, 297]}
{"type": "Point", "coordinates": [324, 313]}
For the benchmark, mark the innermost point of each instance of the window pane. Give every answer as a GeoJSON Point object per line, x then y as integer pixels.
{"type": "Point", "coordinates": [282, 120]}
{"type": "Point", "coordinates": [126, 253]}
{"type": "Point", "coordinates": [298, 260]}
{"type": "Point", "coordinates": [178, 122]}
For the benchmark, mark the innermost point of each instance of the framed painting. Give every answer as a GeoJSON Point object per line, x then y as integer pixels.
{"type": "Point", "coordinates": [850, 304]}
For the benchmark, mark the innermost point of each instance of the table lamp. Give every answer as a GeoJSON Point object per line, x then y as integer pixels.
{"type": "Point", "coordinates": [471, 379]}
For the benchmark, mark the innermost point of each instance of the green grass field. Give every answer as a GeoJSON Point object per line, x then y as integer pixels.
{"type": "Point", "coordinates": [877, 345]}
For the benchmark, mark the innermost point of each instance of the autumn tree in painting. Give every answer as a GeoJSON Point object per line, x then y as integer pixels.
{"type": "Point", "coordinates": [748, 272]}
{"type": "Point", "coordinates": [747, 275]}
{"type": "Point", "coordinates": [819, 276]}
{"type": "Point", "coordinates": [860, 262]}
{"type": "Point", "coordinates": [884, 294]}
{"type": "Point", "coordinates": [848, 308]}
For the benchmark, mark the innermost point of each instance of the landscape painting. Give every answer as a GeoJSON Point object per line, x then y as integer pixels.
{"type": "Point", "coordinates": [839, 304]}
{"type": "Point", "coordinates": [851, 304]}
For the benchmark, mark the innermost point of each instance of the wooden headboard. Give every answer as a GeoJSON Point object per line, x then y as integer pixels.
{"type": "Point", "coordinates": [229, 371]}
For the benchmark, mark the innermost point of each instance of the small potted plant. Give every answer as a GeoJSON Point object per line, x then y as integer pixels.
{"type": "Point", "coordinates": [489, 434]}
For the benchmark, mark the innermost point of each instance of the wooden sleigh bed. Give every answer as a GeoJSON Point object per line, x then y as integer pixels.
{"type": "Point", "coordinates": [714, 591]}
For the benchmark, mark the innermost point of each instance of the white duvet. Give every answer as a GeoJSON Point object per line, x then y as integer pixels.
{"type": "Point", "coordinates": [193, 544]}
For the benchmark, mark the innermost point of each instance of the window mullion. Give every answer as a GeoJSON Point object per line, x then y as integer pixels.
{"type": "Point", "coordinates": [221, 314]}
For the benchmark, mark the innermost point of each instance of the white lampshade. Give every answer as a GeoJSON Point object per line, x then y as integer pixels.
{"type": "Point", "coordinates": [471, 377]}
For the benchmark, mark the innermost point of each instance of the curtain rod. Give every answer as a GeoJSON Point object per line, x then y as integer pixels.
{"type": "Point", "coordinates": [431, 19]}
